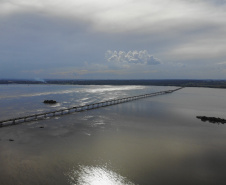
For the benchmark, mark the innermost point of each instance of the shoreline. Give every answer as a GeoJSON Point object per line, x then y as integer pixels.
{"type": "Point", "coordinates": [180, 82]}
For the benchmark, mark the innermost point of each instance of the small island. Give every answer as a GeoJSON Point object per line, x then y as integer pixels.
{"type": "Point", "coordinates": [50, 101]}
{"type": "Point", "coordinates": [212, 119]}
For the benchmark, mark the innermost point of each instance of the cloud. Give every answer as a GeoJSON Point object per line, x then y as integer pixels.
{"type": "Point", "coordinates": [221, 63]}
{"type": "Point", "coordinates": [132, 57]}
{"type": "Point", "coordinates": [124, 15]}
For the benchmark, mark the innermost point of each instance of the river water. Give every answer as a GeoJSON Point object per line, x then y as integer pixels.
{"type": "Point", "coordinates": [156, 140]}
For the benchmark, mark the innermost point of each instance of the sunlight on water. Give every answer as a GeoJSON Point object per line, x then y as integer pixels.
{"type": "Point", "coordinates": [41, 94]}
{"type": "Point", "coordinates": [100, 175]}
{"type": "Point", "coordinates": [112, 88]}
{"type": "Point", "coordinates": [91, 89]}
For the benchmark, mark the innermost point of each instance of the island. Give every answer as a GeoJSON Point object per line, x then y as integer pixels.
{"type": "Point", "coordinates": [212, 119]}
{"type": "Point", "coordinates": [49, 101]}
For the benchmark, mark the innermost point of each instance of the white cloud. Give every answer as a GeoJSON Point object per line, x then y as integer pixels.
{"type": "Point", "coordinates": [131, 57]}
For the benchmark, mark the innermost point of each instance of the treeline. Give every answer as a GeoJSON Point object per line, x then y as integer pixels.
{"type": "Point", "coordinates": [176, 82]}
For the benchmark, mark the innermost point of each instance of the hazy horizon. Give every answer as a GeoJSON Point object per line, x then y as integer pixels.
{"type": "Point", "coordinates": [40, 79]}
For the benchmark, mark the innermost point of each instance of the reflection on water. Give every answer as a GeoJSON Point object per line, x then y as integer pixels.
{"type": "Point", "coordinates": [96, 175]}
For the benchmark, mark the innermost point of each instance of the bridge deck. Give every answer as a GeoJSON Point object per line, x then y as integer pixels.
{"type": "Point", "coordinates": [14, 121]}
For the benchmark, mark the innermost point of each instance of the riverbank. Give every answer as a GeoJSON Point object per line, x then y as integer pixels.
{"type": "Point", "coordinates": [164, 82]}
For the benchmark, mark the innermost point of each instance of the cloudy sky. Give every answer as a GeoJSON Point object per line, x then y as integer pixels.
{"type": "Point", "coordinates": [113, 39]}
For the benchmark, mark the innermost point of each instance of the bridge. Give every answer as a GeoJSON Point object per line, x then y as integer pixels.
{"type": "Point", "coordinates": [18, 120]}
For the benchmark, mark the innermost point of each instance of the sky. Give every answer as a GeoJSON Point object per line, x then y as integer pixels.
{"type": "Point", "coordinates": [113, 39]}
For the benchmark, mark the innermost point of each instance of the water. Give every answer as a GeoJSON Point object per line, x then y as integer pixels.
{"type": "Point", "coordinates": [156, 140]}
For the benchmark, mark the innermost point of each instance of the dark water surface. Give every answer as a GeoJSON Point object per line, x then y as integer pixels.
{"type": "Point", "coordinates": [156, 140]}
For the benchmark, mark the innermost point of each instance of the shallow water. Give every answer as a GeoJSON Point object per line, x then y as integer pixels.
{"type": "Point", "coordinates": [156, 140]}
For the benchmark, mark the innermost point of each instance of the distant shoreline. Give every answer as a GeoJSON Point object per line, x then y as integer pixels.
{"type": "Point", "coordinates": [176, 82]}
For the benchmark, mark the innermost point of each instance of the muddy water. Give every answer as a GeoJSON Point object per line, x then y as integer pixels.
{"type": "Point", "coordinates": [157, 140]}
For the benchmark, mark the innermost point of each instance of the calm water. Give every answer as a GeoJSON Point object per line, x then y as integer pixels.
{"type": "Point", "coordinates": [156, 140]}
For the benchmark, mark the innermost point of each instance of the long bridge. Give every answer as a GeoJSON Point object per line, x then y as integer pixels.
{"type": "Point", "coordinates": [18, 120]}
